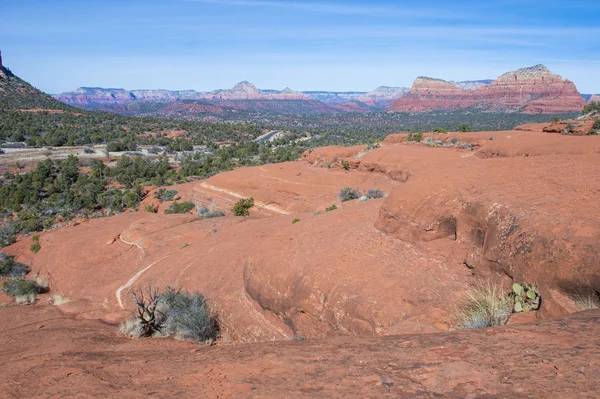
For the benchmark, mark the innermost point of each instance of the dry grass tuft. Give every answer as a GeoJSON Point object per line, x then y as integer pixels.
{"type": "Point", "coordinates": [587, 299]}
{"type": "Point", "coordinates": [58, 299]}
{"type": "Point", "coordinates": [487, 304]}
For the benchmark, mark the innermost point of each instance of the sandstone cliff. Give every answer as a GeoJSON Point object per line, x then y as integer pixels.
{"type": "Point", "coordinates": [533, 90]}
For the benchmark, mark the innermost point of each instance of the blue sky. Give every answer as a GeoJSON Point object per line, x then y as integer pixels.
{"type": "Point", "coordinates": [306, 45]}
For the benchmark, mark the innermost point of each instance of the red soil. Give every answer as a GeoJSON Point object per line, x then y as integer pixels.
{"type": "Point", "coordinates": [520, 206]}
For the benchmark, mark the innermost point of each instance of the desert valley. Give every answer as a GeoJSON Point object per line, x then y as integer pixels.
{"type": "Point", "coordinates": [438, 240]}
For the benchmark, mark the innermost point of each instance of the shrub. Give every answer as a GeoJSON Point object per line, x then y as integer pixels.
{"type": "Point", "coordinates": [440, 130]}
{"type": "Point", "coordinates": [595, 127]}
{"type": "Point", "coordinates": [172, 313]}
{"type": "Point", "coordinates": [164, 195]}
{"type": "Point", "coordinates": [556, 119]}
{"type": "Point", "coordinates": [24, 291]}
{"type": "Point", "coordinates": [375, 193]}
{"type": "Point", "coordinates": [214, 214]}
{"type": "Point", "coordinates": [35, 247]}
{"type": "Point", "coordinates": [88, 150]}
{"type": "Point", "coordinates": [348, 193]}
{"type": "Point", "coordinates": [242, 207]}
{"type": "Point", "coordinates": [464, 127]}
{"type": "Point", "coordinates": [202, 211]}
{"type": "Point", "coordinates": [333, 207]}
{"type": "Point", "coordinates": [187, 316]}
{"type": "Point", "coordinates": [150, 208]}
{"type": "Point", "coordinates": [180, 207]}
{"type": "Point", "coordinates": [345, 164]}
{"type": "Point", "coordinates": [417, 137]}
{"type": "Point", "coordinates": [10, 268]}
{"type": "Point", "coordinates": [296, 220]}
{"type": "Point", "coordinates": [486, 305]}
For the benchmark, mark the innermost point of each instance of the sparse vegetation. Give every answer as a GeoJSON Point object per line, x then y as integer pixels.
{"type": "Point", "coordinates": [586, 299]}
{"type": "Point", "coordinates": [242, 207]}
{"type": "Point", "coordinates": [150, 207]}
{"type": "Point", "coordinates": [10, 268]}
{"type": "Point", "coordinates": [525, 297]}
{"type": "Point", "coordinates": [296, 220]}
{"type": "Point", "coordinates": [24, 291]}
{"type": "Point", "coordinates": [213, 214]}
{"type": "Point", "coordinates": [439, 130]}
{"type": "Point", "coordinates": [348, 194]}
{"type": "Point", "coordinates": [416, 137]}
{"type": "Point", "coordinates": [180, 207]}
{"type": "Point", "coordinates": [174, 313]}
{"type": "Point", "coordinates": [375, 193]}
{"type": "Point", "coordinates": [595, 127]}
{"type": "Point", "coordinates": [591, 107]}
{"type": "Point", "coordinates": [464, 127]}
{"type": "Point", "coordinates": [35, 247]}
{"type": "Point", "coordinates": [486, 305]}
{"type": "Point", "coordinates": [332, 207]}
{"type": "Point", "coordinates": [345, 164]}
{"type": "Point", "coordinates": [164, 195]}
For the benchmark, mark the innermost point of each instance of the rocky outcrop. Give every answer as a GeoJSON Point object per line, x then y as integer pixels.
{"type": "Point", "coordinates": [533, 90]}
{"type": "Point", "coordinates": [594, 99]}
{"type": "Point", "coordinates": [383, 96]}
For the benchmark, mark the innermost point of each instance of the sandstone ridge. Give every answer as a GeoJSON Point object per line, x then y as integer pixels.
{"type": "Point", "coordinates": [532, 90]}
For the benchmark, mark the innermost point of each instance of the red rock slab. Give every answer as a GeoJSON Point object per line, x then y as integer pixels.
{"type": "Point", "coordinates": [50, 355]}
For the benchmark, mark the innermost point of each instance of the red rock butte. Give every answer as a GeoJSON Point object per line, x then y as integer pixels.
{"type": "Point", "coordinates": [362, 283]}
{"type": "Point", "coordinates": [533, 90]}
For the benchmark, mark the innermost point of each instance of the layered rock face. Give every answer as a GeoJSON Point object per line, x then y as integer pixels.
{"type": "Point", "coordinates": [533, 90]}
{"type": "Point", "coordinates": [241, 91]}
{"type": "Point", "coordinates": [594, 99]}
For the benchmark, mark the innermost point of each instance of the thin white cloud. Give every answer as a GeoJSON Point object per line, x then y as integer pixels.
{"type": "Point", "coordinates": [338, 9]}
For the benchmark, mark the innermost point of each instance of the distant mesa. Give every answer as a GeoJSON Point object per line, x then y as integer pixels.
{"type": "Point", "coordinates": [532, 90]}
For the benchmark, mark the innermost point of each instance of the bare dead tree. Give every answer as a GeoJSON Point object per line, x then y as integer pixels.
{"type": "Point", "coordinates": [147, 313]}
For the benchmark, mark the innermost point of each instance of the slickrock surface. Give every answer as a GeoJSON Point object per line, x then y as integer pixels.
{"type": "Point", "coordinates": [515, 205]}
{"type": "Point", "coordinates": [49, 355]}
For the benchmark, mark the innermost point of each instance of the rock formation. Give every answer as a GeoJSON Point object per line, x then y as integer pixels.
{"type": "Point", "coordinates": [2, 73]}
{"type": "Point", "coordinates": [533, 90]}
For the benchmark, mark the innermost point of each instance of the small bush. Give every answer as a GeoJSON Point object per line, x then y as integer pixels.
{"type": "Point", "coordinates": [35, 247]}
{"type": "Point", "coordinates": [363, 198]}
{"type": "Point", "coordinates": [202, 211]}
{"type": "Point", "coordinates": [464, 127]}
{"type": "Point", "coordinates": [440, 130]}
{"type": "Point", "coordinates": [486, 305]}
{"type": "Point", "coordinates": [21, 288]}
{"type": "Point", "coordinates": [556, 119]}
{"type": "Point", "coordinates": [88, 150]}
{"type": "Point", "coordinates": [348, 194]}
{"type": "Point", "coordinates": [333, 207]}
{"type": "Point", "coordinates": [164, 195]}
{"type": "Point", "coordinates": [172, 313]}
{"type": "Point", "coordinates": [375, 193]}
{"type": "Point", "coordinates": [180, 207]}
{"type": "Point", "coordinates": [187, 316]}
{"type": "Point", "coordinates": [345, 164]}
{"type": "Point", "coordinates": [214, 214]}
{"type": "Point", "coordinates": [10, 268]}
{"type": "Point", "coordinates": [296, 220]}
{"type": "Point", "coordinates": [150, 208]}
{"type": "Point", "coordinates": [242, 207]}
{"type": "Point", "coordinates": [417, 137]}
